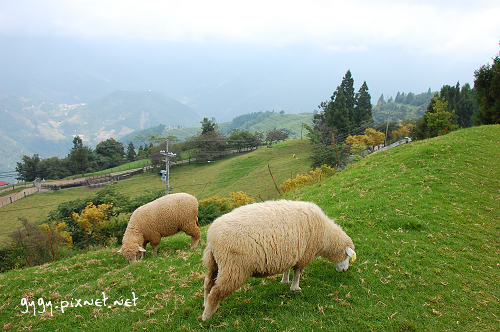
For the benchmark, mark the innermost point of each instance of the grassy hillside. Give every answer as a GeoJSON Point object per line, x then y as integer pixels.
{"type": "Point", "coordinates": [247, 172]}
{"type": "Point", "coordinates": [425, 221]}
{"type": "Point", "coordinates": [292, 122]}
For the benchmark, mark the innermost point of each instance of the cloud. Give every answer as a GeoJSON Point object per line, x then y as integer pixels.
{"type": "Point", "coordinates": [447, 28]}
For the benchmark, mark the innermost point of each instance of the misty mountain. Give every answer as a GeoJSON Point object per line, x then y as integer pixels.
{"type": "Point", "coordinates": [218, 81]}
{"type": "Point", "coordinates": [29, 126]}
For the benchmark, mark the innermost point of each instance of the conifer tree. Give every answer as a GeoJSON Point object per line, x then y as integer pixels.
{"type": "Point", "coordinates": [131, 152]}
{"type": "Point", "coordinates": [487, 85]}
{"type": "Point", "coordinates": [347, 86]}
{"type": "Point", "coordinates": [363, 106]}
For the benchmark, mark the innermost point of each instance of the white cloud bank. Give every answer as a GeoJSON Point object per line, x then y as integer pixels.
{"type": "Point", "coordinates": [457, 29]}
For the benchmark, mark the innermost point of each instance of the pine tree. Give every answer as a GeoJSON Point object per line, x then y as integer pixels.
{"type": "Point", "coordinates": [347, 86]}
{"type": "Point", "coordinates": [338, 115]}
{"type": "Point", "coordinates": [487, 85]}
{"type": "Point", "coordinates": [131, 152]}
{"type": "Point", "coordinates": [78, 156]}
{"type": "Point", "coordinates": [363, 106]}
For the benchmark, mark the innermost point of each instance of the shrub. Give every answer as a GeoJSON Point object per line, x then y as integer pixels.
{"type": "Point", "coordinates": [240, 198]}
{"type": "Point", "coordinates": [111, 232]}
{"type": "Point", "coordinates": [211, 208]}
{"type": "Point", "coordinates": [307, 178]}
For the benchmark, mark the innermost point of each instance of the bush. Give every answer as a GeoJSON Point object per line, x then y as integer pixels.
{"type": "Point", "coordinates": [211, 208]}
{"type": "Point", "coordinates": [307, 178]}
{"type": "Point", "coordinates": [240, 198]}
{"type": "Point", "coordinates": [111, 232]}
{"type": "Point", "coordinates": [207, 213]}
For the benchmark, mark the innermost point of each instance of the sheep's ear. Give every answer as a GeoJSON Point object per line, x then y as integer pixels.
{"type": "Point", "coordinates": [119, 251]}
{"type": "Point", "coordinates": [141, 249]}
{"type": "Point", "coordinates": [350, 253]}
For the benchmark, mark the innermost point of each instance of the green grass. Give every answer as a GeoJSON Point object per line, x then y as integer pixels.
{"type": "Point", "coordinates": [247, 172]}
{"type": "Point", "coordinates": [425, 221]}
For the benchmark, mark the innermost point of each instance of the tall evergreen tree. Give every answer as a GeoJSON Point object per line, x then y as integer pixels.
{"type": "Point", "coordinates": [79, 160]}
{"type": "Point", "coordinates": [363, 106]}
{"type": "Point", "coordinates": [487, 86]}
{"type": "Point", "coordinates": [347, 86]}
{"type": "Point", "coordinates": [462, 101]}
{"type": "Point", "coordinates": [131, 152]}
{"type": "Point", "coordinates": [208, 125]}
{"type": "Point", "coordinates": [338, 114]}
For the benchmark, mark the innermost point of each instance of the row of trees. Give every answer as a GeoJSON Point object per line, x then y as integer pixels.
{"type": "Point", "coordinates": [464, 107]}
{"type": "Point", "coordinates": [346, 113]}
{"type": "Point", "coordinates": [81, 159]}
{"type": "Point", "coordinates": [209, 144]}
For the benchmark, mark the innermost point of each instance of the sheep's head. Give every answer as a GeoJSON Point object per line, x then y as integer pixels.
{"type": "Point", "coordinates": [344, 265]}
{"type": "Point", "coordinates": [131, 253]}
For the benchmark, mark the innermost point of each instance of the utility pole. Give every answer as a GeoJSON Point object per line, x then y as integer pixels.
{"type": "Point", "coordinates": [167, 155]}
{"type": "Point", "coordinates": [336, 152]}
{"type": "Point", "coordinates": [387, 127]}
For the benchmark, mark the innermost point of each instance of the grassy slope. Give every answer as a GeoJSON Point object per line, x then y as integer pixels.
{"type": "Point", "coordinates": [425, 218]}
{"type": "Point", "coordinates": [247, 172]}
{"type": "Point", "coordinates": [425, 221]}
{"type": "Point", "coordinates": [292, 122]}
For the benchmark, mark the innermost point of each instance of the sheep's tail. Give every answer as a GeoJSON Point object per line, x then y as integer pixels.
{"type": "Point", "coordinates": [211, 275]}
{"type": "Point", "coordinates": [209, 260]}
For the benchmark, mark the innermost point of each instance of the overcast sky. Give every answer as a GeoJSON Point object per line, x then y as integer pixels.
{"type": "Point", "coordinates": [459, 33]}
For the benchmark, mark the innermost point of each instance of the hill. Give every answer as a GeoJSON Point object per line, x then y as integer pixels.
{"type": "Point", "coordinates": [257, 121]}
{"type": "Point", "coordinates": [424, 218]}
{"type": "Point", "coordinates": [247, 172]}
{"type": "Point", "coordinates": [29, 126]}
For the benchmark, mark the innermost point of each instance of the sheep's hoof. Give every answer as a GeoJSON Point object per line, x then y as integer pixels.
{"type": "Point", "coordinates": [295, 289]}
{"type": "Point", "coordinates": [285, 282]}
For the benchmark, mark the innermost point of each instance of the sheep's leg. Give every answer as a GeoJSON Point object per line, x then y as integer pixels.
{"type": "Point", "coordinates": [211, 265]}
{"type": "Point", "coordinates": [155, 249]}
{"type": "Point", "coordinates": [143, 253]}
{"type": "Point", "coordinates": [296, 276]}
{"type": "Point", "coordinates": [227, 283]}
{"type": "Point", "coordinates": [209, 284]}
{"type": "Point", "coordinates": [195, 234]}
{"type": "Point", "coordinates": [286, 277]}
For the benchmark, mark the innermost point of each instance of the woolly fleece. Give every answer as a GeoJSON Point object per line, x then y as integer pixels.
{"type": "Point", "coordinates": [162, 217]}
{"type": "Point", "coordinates": [264, 239]}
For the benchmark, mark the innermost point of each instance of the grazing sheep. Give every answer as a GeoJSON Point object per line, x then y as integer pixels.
{"type": "Point", "coordinates": [164, 216]}
{"type": "Point", "coordinates": [264, 239]}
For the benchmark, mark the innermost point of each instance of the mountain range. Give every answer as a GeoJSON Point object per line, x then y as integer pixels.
{"type": "Point", "coordinates": [29, 126]}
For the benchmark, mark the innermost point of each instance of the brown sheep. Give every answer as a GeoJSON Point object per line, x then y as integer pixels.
{"type": "Point", "coordinates": [265, 239]}
{"type": "Point", "coordinates": [162, 217]}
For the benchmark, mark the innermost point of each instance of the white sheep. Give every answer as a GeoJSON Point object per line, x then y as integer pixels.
{"type": "Point", "coordinates": [162, 217]}
{"type": "Point", "coordinates": [264, 239]}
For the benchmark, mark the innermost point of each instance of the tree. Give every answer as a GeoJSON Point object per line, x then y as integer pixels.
{"type": "Point", "coordinates": [110, 153]}
{"type": "Point", "coordinates": [239, 139]}
{"type": "Point", "coordinates": [336, 112]}
{"type": "Point", "coordinates": [54, 168]}
{"type": "Point", "coordinates": [208, 125]}
{"type": "Point", "coordinates": [277, 135]}
{"type": "Point", "coordinates": [369, 140]}
{"type": "Point", "coordinates": [463, 101]}
{"type": "Point", "coordinates": [78, 156]}
{"type": "Point", "coordinates": [487, 86]}
{"type": "Point", "coordinates": [403, 130]}
{"type": "Point", "coordinates": [131, 152]}
{"type": "Point", "coordinates": [436, 121]}
{"type": "Point", "coordinates": [363, 106]}
{"type": "Point", "coordinates": [209, 143]}
{"type": "Point", "coordinates": [347, 86]}
{"type": "Point", "coordinates": [91, 218]}
{"type": "Point", "coordinates": [28, 168]}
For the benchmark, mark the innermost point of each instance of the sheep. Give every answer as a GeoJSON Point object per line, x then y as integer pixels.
{"type": "Point", "coordinates": [162, 217]}
{"type": "Point", "coordinates": [264, 239]}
